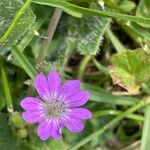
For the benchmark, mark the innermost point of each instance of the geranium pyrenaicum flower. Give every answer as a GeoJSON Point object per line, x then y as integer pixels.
{"type": "Point", "coordinates": [57, 107]}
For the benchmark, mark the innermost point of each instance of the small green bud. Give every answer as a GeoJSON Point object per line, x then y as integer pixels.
{"type": "Point", "coordinates": [22, 133]}
{"type": "Point", "coordinates": [16, 120]}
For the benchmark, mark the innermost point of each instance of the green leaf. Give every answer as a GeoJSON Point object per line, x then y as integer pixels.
{"type": "Point", "coordinates": [14, 23]}
{"type": "Point", "coordinates": [41, 17]}
{"type": "Point", "coordinates": [91, 31]}
{"type": "Point", "coordinates": [130, 69]}
{"type": "Point", "coordinates": [83, 34]}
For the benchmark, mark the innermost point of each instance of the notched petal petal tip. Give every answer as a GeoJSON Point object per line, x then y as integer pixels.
{"type": "Point", "coordinates": [74, 125]}
{"type": "Point", "coordinates": [33, 116]}
{"type": "Point", "coordinates": [31, 103]}
{"type": "Point", "coordinates": [69, 88]}
{"type": "Point", "coordinates": [79, 113]}
{"type": "Point", "coordinates": [78, 99]}
{"type": "Point", "coordinates": [54, 82]}
{"type": "Point", "coordinates": [42, 87]}
{"type": "Point", "coordinates": [49, 128]}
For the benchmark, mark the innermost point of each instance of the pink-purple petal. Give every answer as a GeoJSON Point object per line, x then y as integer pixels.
{"type": "Point", "coordinates": [33, 116]}
{"type": "Point", "coordinates": [78, 99]}
{"type": "Point", "coordinates": [31, 103]}
{"type": "Point", "coordinates": [69, 88]}
{"type": "Point", "coordinates": [54, 82]}
{"type": "Point", "coordinates": [41, 85]}
{"type": "Point", "coordinates": [74, 125]}
{"type": "Point", "coordinates": [79, 113]}
{"type": "Point", "coordinates": [49, 127]}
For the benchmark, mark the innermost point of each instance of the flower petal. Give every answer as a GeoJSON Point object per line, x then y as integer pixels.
{"type": "Point", "coordinates": [41, 85]}
{"type": "Point", "coordinates": [79, 113]}
{"type": "Point", "coordinates": [33, 116]}
{"type": "Point", "coordinates": [78, 99]}
{"type": "Point", "coordinates": [69, 88]}
{"type": "Point", "coordinates": [54, 82]}
{"type": "Point", "coordinates": [49, 127]}
{"type": "Point", "coordinates": [74, 125]}
{"type": "Point", "coordinates": [32, 104]}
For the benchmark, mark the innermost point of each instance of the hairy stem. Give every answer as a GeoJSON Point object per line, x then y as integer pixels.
{"type": "Point", "coordinates": [83, 65]}
{"type": "Point", "coordinates": [51, 30]}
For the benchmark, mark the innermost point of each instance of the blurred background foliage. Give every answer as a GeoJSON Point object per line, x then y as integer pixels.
{"type": "Point", "coordinates": [104, 43]}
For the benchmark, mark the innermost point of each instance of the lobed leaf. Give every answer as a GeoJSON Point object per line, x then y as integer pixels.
{"type": "Point", "coordinates": [130, 69]}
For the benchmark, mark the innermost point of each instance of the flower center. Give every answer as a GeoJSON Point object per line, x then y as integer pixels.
{"type": "Point", "coordinates": [55, 108]}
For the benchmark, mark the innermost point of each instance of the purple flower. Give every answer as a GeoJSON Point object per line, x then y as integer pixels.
{"type": "Point", "coordinates": [58, 106]}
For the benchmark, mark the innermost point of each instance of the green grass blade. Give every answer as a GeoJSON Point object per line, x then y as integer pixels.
{"type": "Point", "coordinates": [117, 113]}
{"type": "Point", "coordinates": [65, 5]}
{"type": "Point", "coordinates": [145, 144]}
{"type": "Point", "coordinates": [24, 62]}
{"type": "Point", "coordinates": [102, 96]}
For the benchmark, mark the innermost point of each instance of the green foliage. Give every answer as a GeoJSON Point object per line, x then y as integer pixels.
{"type": "Point", "coordinates": [101, 96]}
{"type": "Point", "coordinates": [7, 12]}
{"type": "Point", "coordinates": [91, 30]}
{"type": "Point", "coordinates": [145, 137]}
{"type": "Point", "coordinates": [143, 10]}
{"type": "Point", "coordinates": [86, 27]}
{"type": "Point", "coordinates": [85, 35]}
{"type": "Point", "coordinates": [6, 87]}
{"type": "Point", "coordinates": [24, 62]}
{"type": "Point", "coordinates": [8, 139]}
{"type": "Point", "coordinates": [130, 69]}
{"type": "Point", "coordinates": [68, 6]}
{"type": "Point", "coordinates": [127, 5]}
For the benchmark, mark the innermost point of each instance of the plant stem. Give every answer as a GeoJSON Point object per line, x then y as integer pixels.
{"type": "Point", "coordinates": [116, 42]}
{"type": "Point", "coordinates": [83, 65]}
{"type": "Point", "coordinates": [15, 20]}
{"type": "Point", "coordinates": [100, 67]}
{"type": "Point", "coordinates": [51, 30]}
{"type": "Point", "coordinates": [111, 123]}
{"type": "Point", "coordinates": [7, 92]}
